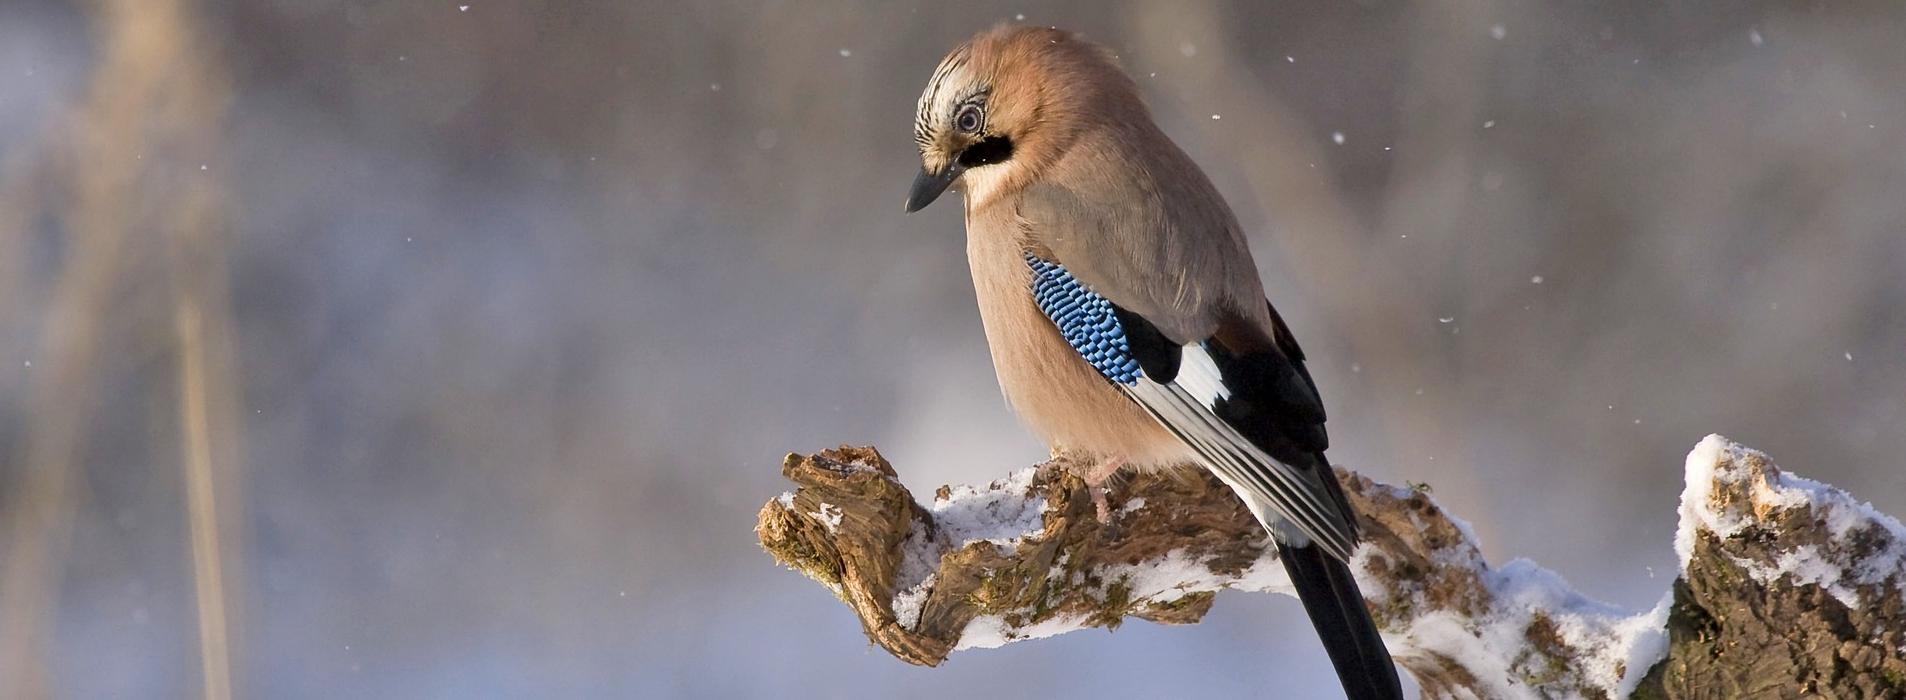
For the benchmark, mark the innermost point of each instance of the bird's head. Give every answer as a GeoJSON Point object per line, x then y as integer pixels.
{"type": "Point", "coordinates": [1006, 103]}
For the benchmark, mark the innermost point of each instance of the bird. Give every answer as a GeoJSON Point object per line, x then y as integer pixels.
{"type": "Point", "coordinates": [1123, 312]}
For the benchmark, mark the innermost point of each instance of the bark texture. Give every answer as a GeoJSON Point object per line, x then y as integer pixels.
{"type": "Point", "coordinates": [1027, 557]}
{"type": "Point", "coordinates": [1738, 629]}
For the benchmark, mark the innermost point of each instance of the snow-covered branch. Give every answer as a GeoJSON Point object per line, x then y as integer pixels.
{"type": "Point", "coordinates": [1787, 585]}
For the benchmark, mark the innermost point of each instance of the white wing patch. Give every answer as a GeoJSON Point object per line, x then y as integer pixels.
{"type": "Point", "coordinates": [1199, 376]}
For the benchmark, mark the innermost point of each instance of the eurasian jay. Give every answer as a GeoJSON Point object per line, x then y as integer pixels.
{"type": "Point", "coordinates": [1124, 313]}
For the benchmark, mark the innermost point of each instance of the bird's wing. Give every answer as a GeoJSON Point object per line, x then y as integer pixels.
{"type": "Point", "coordinates": [1158, 241]}
{"type": "Point", "coordinates": [1252, 415]}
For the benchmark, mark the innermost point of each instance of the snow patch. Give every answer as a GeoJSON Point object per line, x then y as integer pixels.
{"type": "Point", "coordinates": [1170, 578]}
{"type": "Point", "coordinates": [1696, 513]}
{"type": "Point", "coordinates": [1132, 506]}
{"type": "Point", "coordinates": [1162, 581]}
{"type": "Point", "coordinates": [907, 603]}
{"type": "Point", "coordinates": [991, 631]}
{"type": "Point", "coordinates": [1646, 638]}
{"type": "Point", "coordinates": [1731, 488]}
{"type": "Point", "coordinates": [919, 559]}
{"type": "Point", "coordinates": [1002, 513]}
{"type": "Point", "coordinates": [1614, 649]}
{"type": "Point", "coordinates": [1610, 648]}
{"type": "Point", "coordinates": [829, 515]}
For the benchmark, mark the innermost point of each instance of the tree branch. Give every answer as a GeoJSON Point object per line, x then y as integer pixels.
{"type": "Point", "coordinates": [1787, 585]}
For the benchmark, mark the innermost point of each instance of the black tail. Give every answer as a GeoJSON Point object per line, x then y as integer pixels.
{"type": "Point", "coordinates": [1336, 609]}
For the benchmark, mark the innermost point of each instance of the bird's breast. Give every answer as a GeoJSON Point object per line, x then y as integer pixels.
{"type": "Point", "coordinates": [1059, 395]}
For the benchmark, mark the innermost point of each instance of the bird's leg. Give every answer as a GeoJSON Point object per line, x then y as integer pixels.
{"type": "Point", "coordinates": [1095, 477]}
{"type": "Point", "coordinates": [1095, 480]}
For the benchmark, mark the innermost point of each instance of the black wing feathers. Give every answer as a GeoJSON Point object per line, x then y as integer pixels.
{"type": "Point", "coordinates": [1274, 403]}
{"type": "Point", "coordinates": [1271, 403]}
{"type": "Point", "coordinates": [1267, 399]}
{"type": "Point", "coordinates": [1156, 354]}
{"type": "Point", "coordinates": [1273, 400]}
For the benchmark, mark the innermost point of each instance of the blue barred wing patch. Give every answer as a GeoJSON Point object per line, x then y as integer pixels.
{"type": "Point", "coordinates": [1085, 319]}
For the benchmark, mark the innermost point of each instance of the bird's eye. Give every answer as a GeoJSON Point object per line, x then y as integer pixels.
{"type": "Point", "coordinates": [969, 119]}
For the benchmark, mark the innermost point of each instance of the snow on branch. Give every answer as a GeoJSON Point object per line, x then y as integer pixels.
{"type": "Point", "coordinates": [1787, 586]}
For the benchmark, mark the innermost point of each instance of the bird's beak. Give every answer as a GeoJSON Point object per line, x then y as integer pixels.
{"type": "Point", "coordinates": [928, 186]}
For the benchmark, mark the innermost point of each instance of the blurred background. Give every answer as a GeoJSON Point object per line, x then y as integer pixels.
{"type": "Point", "coordinates": [431, 349]}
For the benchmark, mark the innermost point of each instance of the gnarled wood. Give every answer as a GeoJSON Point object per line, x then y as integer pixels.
{"type": "Point", "coordinates": [1026, 557]}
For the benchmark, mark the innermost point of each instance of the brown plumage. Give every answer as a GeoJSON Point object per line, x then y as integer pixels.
{"type": "Point", "coordinates": [1089, 170]}
{"type": "Point", "coordinates": [1123, 310]}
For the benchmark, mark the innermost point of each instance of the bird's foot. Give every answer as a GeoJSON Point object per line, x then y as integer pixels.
{"type": "Point", "coordinates": [1096, 477]}
{"type": "Point", "coordinates": [1095, 480]}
